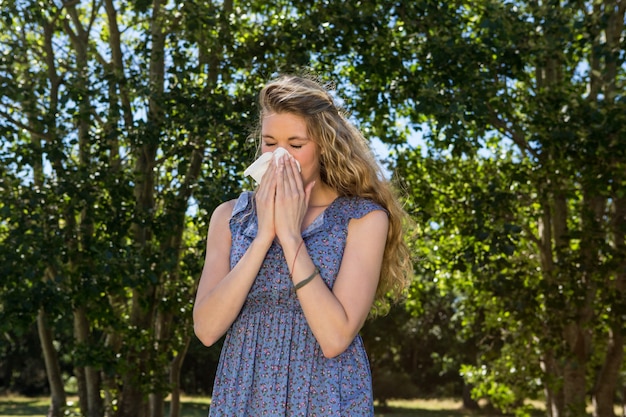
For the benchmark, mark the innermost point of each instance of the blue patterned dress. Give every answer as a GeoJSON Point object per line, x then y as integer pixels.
{"type": "Point", "coordinates": [271, 364]}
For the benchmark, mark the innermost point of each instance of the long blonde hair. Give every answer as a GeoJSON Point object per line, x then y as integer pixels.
{"type": "Point", "coordinates": [348, 165]}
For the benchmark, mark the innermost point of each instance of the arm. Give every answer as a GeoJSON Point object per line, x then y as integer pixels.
{"type": "Point", "coordinates": [221, 291]}
{"type": "Point", "coordinates": [336, 316]}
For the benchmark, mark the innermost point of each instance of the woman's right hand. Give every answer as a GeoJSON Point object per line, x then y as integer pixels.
{"type": "Point", "coordinates": [265, 197]}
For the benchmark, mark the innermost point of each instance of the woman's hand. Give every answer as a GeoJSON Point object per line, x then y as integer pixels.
{"type": "Point", "coordinates": [265, 197]}
{"type": "Point", "coordinates": [292, 200]}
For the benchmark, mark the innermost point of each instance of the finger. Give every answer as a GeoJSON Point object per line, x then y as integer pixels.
{"type": "Point", "coordinates": [269, 172]}
{"type": "Point", "coordinates": [280, 178]}
{"type": "Point", "coordinates": [267, 188]}
{"type": "Point", "coordinates": [293, 176]}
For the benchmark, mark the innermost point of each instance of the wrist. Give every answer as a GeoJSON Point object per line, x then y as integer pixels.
{"type": "Point", "coordinates": [262, 241]}
{"type": "Point", "coordinates": [295, 258]}
{"type": "Point", "coordinates": [291, 242]}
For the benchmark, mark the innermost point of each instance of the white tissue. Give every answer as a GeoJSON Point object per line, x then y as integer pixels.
{"type": "Point", "coordinates": [258, 167]}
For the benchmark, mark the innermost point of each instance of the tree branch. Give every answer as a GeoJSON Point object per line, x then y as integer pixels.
{"type": "Point", "coordinates": [515, 136]}
{"type": "Point", "coordinates": [21, 125]}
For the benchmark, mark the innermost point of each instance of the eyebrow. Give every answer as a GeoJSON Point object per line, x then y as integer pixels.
{"type": "Point", "coordinates": [289, 139]}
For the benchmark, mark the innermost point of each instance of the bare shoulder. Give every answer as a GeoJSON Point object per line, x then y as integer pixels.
{"type": "Point", "coordinates": [375, 218]}
{"type": "Point", "coordinates": [219, 224]}
{"type": "Point", "coordinates": [224, 210]}
{"type": "Point", "coordinates": [374, 224]}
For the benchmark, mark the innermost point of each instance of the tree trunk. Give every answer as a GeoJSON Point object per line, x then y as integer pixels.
{"type": "Point", "coordinates": [53, 370]}
{"type": "Point", "coordinates": [118, 66]}
{"type": "Point", "coordinates": [81, 384]}
{"type": "Point", "coordinates": [175, 367]}
{"type": "Point", "coordinates": [576, 333]}
{"type": "Point", "coordinates": [92, 400]}
{"type": "Point", "coordinates": [604, 81]}
{"type": "Point", "coordinates": [58, 398]}
{"type": "Point", "coordinates": [607, 383]}
{"type": "Point", "coordinates": [161, 333]}
{"type": "Point", "coordinates": [553, 391]}
{"type": "Point", "coordinates": [468, 402]}
{"type": "Point", "coordinates": [603, 395]}
{"type": "Point", "coordinates": [553, 371]}
{"type": "Point", "coordinates": [574, 373]}
{"type": "Point", "coordinates": [157, 404]}
{"type": "Point", "coordinates": [132, 401]}
{"type": "Point", "coordinates": [88, 377]}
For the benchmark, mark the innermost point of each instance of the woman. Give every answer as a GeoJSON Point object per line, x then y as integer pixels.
{"type": "Point", "coordinates": [293, 269]}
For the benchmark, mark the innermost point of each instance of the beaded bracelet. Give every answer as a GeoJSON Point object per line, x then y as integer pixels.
{"type": "Point", "coordinates": [306, 280]}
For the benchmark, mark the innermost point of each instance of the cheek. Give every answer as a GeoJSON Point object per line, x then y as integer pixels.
{"type": "Point", "coordinates": [304, 160]}
{"type": "Point", "coordinates": [309, 164]}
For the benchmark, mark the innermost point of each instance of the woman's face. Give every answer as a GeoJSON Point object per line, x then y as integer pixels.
{"type": "Point", "coordinates": [289, 131]}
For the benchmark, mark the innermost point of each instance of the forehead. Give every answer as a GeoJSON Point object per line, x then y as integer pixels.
{"type": "Point", "coordinates": [274, 123]}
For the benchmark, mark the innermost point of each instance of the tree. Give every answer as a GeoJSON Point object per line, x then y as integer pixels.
{"type": "Point", "coordinates": [547, 78]}
{"type": "Point", "coordinates": [124, 125]}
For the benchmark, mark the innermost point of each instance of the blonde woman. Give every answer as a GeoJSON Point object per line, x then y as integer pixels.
{"type": "Point", "coordinates": [293, 270]}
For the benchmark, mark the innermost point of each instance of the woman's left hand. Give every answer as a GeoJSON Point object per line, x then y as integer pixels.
{"type": "Point", "coordinates": [292, 200]}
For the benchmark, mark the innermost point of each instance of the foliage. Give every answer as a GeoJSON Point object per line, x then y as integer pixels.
{"type": "Point", "coordinates": [515, 190]}
{"type": "Point", "coordinates": [124, 125]}
{"type": "Point", "coordinates": [519, 106]}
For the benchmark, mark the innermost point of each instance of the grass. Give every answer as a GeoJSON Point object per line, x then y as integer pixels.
{"type": "Point", "coordinates": [17, 406]}
{"type": "Point", "coordinates": [13, 406]}
{"type": "Point", "coordinates": [424, 408]}
{"type": "Point", "coordinates": [22, 406]}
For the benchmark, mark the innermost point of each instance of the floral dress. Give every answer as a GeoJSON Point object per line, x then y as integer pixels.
{"type": "Point", "coordinates": [271, 364]}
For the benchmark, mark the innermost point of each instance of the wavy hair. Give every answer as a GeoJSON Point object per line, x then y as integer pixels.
{"type": "Point", "coordinates": [348, 165]}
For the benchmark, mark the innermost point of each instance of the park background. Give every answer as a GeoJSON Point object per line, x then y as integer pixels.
{"type": "Point", "coordinates": [501, 123]}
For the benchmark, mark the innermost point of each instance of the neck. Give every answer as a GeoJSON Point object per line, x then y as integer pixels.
{"type": "Point", "coordinates": [321, 196]}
